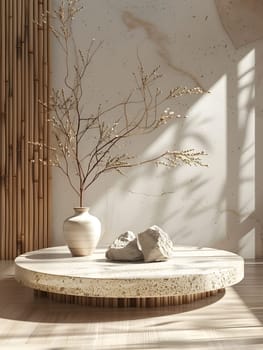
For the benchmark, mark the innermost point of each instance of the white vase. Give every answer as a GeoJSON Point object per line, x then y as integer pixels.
{"type": "Point", "coordinates": [82, 232]}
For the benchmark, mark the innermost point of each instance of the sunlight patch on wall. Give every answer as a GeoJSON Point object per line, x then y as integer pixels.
{"type": "Point", "coordinates": [246, 147]}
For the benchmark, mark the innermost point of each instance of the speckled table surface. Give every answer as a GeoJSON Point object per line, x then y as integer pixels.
{"type": "Point", "coordinates": [190, 270]}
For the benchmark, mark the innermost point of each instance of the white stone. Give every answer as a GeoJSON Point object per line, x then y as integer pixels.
{"type": "Point", "coordinates": [124, 248]}
{"type": "Point", "coordinates": [155, 244]}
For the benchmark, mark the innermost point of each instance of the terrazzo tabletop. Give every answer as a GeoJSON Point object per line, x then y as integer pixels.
{"type": "Point", "coordinates": [190, 270]}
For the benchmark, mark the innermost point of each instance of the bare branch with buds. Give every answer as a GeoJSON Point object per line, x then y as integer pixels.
{"type": "Point", "coordinates": [142, 111]}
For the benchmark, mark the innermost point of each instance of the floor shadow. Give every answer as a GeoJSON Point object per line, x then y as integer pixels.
{"type": "Point", "coordinates": [19, 303]}
{"type": "Point", "coordinates": [247, 291]}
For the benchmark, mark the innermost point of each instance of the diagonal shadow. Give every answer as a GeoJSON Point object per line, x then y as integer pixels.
{"type": "Point", "coordinates": [18, 303]}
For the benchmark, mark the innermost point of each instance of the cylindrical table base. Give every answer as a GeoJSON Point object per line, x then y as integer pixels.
{"type": "Point", "coordinates": [127, 302]}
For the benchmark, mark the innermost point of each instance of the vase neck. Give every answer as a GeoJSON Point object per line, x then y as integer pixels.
{"type": "Point", "coordinates": [81, 209]}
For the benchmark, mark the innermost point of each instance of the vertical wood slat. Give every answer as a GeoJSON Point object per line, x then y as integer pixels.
{"type": "Point", "coordinates": [24, 81]}
{"type": "Point", "coordinates": [2, 130]}
{"type": "Point", "coordinates": [25, 135]}
{"type": "Point", "coordinates": [21, 137]}
{"type": "Point", "coordinates": [19, 121]}
{"type": "Point", "coordinates": [13, 144]}
{"type": "Point", "coordinates": [36, 122]}
{"type": "Point", "coordinates": [5, 103]}
{"type": "Point", "coordinates": [9, 67]}
{"type": "Point", "coordinates": [48, 131]}
{"type": "Point", "coordinates": [30, 126]}
{"type": "Point", "coordinates": [40, 43]}
{"type": "Point", "coordinates": [46, 94]}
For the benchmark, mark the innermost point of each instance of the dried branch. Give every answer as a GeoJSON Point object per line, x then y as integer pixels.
{"type": "Point", "coordinates": [142, 111]}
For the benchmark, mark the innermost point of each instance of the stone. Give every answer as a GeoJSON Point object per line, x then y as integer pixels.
{"type": "Point", "coordinates": [124, 248]}
{"type": "Point", "coordinates": [155, 244]}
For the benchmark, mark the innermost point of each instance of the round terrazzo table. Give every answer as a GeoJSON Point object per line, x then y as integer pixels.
{"type": "Point", "coordinates": [192, 273]}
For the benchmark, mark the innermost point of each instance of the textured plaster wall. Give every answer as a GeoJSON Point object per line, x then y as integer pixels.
{"type": "Point", "coordinates": [219, 206]}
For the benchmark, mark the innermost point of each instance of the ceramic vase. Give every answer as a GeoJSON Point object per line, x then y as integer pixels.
{"type": "Point", "coordinates": [82, 232]}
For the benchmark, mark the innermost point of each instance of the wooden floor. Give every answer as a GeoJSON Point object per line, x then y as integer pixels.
{"type": "Point", "coordinates": [233, 320]}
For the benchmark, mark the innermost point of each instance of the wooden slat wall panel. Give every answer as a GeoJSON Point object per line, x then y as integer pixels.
{"type": "Point", "coordinates": [24, 75]}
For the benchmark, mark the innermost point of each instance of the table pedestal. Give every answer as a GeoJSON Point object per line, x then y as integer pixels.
{"type": "Point", "coordinates": [127, 302]}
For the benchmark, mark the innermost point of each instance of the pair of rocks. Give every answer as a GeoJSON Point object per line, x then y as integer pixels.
{"type": "Point", "coordinates": [151, 245]}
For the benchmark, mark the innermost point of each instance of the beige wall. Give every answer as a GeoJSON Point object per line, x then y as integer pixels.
{"type": "Point", "coordinates": [218, 206]}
